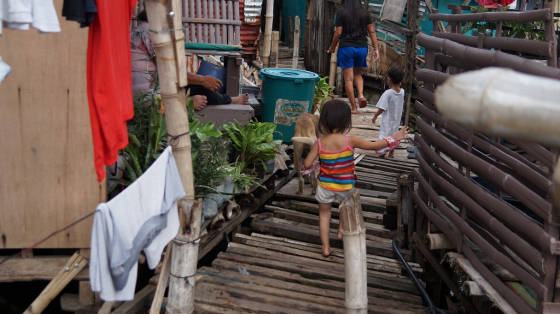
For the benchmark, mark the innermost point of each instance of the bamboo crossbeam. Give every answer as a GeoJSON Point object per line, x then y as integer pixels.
{"type": "Point", "coordinates": [507, 293]}
{"type": "Point", "coordinates": [521, 168]}
{"type": "Point", "coordinates": [485, 58]}
{"type": "Point", "coordinates": [527, 228]}
{"type": "Point", "coordinates": [453, 62]}
{"type": "Point", "coordinates": [540, 48]}
{"type": "Point", "coordinates": [515, 17]}
{"type": "Point", "coordinates": [500, 179]}
{"type": "Point", "coordinates": [517, 245]}
{"type": "Point", "coordinates": [431, 76]}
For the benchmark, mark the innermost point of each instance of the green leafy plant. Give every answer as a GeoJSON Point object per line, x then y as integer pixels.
{"type": "Point", "coordinates": [530, 31]}
{"type": "Point", "coordinates": [323, 91]}
{"type": "Point", "coordinates": [254, 141]}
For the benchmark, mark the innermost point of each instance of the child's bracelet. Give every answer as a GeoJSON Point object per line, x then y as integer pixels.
{"type": "Point", "coordinates": [392, 142]}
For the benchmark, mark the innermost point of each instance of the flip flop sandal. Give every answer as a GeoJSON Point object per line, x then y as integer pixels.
{"type": "Point", "coordinates": [363, 103]}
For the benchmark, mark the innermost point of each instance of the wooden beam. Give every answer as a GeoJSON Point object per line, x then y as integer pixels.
{"type": "Point", "coordinates": [443, 274]}
{"type": "Point", "coordinates": [140, 300]}
{"type": "Point", "coordinates": [36, 268]}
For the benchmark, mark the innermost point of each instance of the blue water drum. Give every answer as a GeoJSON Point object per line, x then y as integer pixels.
{"type": "Point", "coordinates": [207, 68]}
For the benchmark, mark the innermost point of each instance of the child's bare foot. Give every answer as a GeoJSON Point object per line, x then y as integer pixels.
{"type": "Point", "coordinates": [327, 252]}
{"type": "Point", "coordinates": [240, 100]}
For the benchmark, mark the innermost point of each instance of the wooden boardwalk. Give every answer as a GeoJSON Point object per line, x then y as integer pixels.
{"type": "Point", "coordinates": [279, 268]}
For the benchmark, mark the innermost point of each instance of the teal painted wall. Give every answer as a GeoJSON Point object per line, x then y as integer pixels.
{"type": "Point", "coordinates": [293, 8]}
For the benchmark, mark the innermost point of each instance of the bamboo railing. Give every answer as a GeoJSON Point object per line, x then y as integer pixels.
{"type": "Point", "coordinates": [524, 242]}
{"type": "Point", "coordinates": [212, 21]}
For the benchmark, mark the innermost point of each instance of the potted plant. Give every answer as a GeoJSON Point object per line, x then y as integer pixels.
{"type": "Point", "coordinates": [255, 143]}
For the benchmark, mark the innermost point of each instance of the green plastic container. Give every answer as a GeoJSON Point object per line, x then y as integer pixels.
{"type": "Point", "coordinates": [286, 95]}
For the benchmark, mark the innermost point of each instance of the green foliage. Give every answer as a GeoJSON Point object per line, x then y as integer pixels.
{"type": "Point", "coordinates": [254, 141]}
{"type": "Point", "coordinates": [147, 135]}
{"type": "Point", "coordinates": [530, 31]}
{"type": "Point", "coordinates": [322, 91]}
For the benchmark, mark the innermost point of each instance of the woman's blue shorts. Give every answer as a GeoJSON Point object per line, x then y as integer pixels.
{"type": "Point", "coordinates": [352, 57]}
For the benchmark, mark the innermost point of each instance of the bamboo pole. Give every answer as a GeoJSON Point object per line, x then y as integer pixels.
{"type": "Point", "coordinates": [72, 268]}
{"type": "Point", "coordinates": [296, 44]}
{"type": "Point", "coordinates": [274, 49]}
{"type": "Point", "coordinates": [162, 282]}
{"type": "Point", "coordinates": [268, 32]}
{"type": "Point", "coordinates": [185, 245]}
{"type": "Point", "coordinates": [355, 265]}
{"type": "Point", "coordinates": [438, 241]}
{"type": "Point", "coordinates": [332, 72]}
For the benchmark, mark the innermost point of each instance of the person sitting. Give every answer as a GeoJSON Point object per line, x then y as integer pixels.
{"type": "Point", "coordinates": [203, 89]}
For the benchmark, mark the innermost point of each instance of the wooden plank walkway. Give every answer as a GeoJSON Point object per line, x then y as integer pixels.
{"type": "Point", "coordinates": [278, 268]}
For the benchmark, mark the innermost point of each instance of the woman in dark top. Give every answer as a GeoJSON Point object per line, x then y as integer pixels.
{"type": "Point", "coordinates": [353, 24]}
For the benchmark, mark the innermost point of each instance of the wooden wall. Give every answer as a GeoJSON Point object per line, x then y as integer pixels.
{"type": "Point", "coordinates": [47, 177]}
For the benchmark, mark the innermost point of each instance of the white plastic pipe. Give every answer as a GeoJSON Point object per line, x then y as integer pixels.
{"type": "Point", "coordinates": [502, 102]}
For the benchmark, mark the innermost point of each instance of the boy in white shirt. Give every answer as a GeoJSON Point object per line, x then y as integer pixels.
{"type": "Point", "coordinates": [391, 106]}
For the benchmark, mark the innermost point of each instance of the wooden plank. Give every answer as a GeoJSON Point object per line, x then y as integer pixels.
{"type": "Point", "coordinates": [140, 300]}
{"type": "Point", "coordinates": [318, 283]}
{"type": "Point", "coordinates": [201, 308]}
{"type": "Point", "coordinates": [220, 298]}
{"type": "Point", "coordinates": [36, 268]}
{"type": "Point", "coordinates": [393, 10]}
{"type": "Point", "coordinates": [216, 236]}
{"type": "Point", "coordinates": [314, 302]}
{"type": "Point", "coordinates": [369, 217]}
{"type": "Point", "coordinates": [296, 43]}
{"type": "Point", "coordinates": [315, 248]}
{"type": "Point", "coordinates": [312, 236]}
{"type": "Point", "coordinates": [316, 255]}
{"type": "Point", "coordinates": [371, 229]}
{"type": "Point", "coordinates": [336, 295]}
{"type": "Point", "coordinates": [45, 139]}
{"type": "Point", "coordinates": [263, 253]}
{"type": "Point", "coordinates": [265, 297]}
{"type": "Point", "coordinates": [462, 262]}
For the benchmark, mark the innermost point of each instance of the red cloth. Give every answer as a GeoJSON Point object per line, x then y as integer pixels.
{"type": "Point", "coordinates": [494, 3]}
{"type": "Point", "coordinates": [109, 80]}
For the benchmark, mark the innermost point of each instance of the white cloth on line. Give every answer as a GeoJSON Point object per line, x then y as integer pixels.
{"type": "Point", "coordinates": [5, 69]}
{"type": "Point", "coordinates": [20, 14]}
{"type": "Point", "coordinates": [392, 102]}
{"type": "Point", "coordinates": [142, 217]}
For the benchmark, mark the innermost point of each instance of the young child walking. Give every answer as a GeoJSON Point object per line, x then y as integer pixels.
{"type": "Point", "coordinates": [336, 160]}
{"type": "Point", "coordinates": [391, 106]}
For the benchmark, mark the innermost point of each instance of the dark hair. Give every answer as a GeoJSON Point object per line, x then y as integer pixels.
{"type": "Point", "coordinates": [335, 117]}
{"type": "Point", "coordinates": [396, 74]}
{"type": "Point", "coordinates": [354, 18]}
{"type": "Point", "coordinates": [142, 16]}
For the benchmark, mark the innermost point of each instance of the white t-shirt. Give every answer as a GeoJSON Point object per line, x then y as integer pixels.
{"type": "Point", "coordinates": [392, 102]}
{"type": "Point", "coordinates": [19, 14]}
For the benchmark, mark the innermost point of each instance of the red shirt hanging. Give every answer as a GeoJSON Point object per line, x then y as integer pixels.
{"type": "Point", "coordinates": [109, 80]}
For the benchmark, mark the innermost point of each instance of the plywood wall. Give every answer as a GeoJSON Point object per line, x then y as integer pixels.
{"type": "Point", "coordinates": [47, 176]}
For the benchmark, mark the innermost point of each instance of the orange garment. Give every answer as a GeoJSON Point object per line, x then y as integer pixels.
{"type": "Point", "coordinates": [109, 80]}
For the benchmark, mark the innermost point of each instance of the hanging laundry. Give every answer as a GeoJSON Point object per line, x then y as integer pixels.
{"type": "Point", "coordinates": [5, 69]}
{"type": "Point", "coordinates": [80, 11]}
{"type": "Point", "coordinates": [20, 14]}
{"type": "Point", "coordinates": [109, 80]}
{"type": "Point", "coordinates": [141, 218]}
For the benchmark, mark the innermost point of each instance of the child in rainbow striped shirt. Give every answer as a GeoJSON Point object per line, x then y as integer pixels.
{"type": "Point", "coordinates": [336, 157]}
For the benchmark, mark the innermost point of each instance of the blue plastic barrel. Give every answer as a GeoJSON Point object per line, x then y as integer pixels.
{"type": "Point", "coordinates": [207, 68]}
{"type": "Point", "coordinates": [286, 95]}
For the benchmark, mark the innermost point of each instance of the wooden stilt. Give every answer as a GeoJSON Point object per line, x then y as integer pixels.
{"type": "Point", "coordinates": [274, 49]}
{"type": "Point", "coordinates": [354, 237]}
{"type": "Point", "coordinates": [268, 32]}
{"type": "Point", "coordinates": [296, 44]}
{"type": "Point", "coordinates": [162, 282]}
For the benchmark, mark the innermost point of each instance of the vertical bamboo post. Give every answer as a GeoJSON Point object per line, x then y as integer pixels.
{"type": "Point", "coordinates": [332, 72]}
{"type": "Point", "coordinates": [237, 31]}
{"type": "Point", "coordinates": [192, 26]}
{"type": "Point", "coordinates": [339, 82]}
{"type": "Point", "coordinates": [296, 44]}
{"type": "Point", "coordinates": [290, 32]}
{"type": "Point", "coordinates": [185, 244]}
{"type": "Point", "coordinates": [550, 36]}
{"type": "Point", "coordinates": [211, 26]}
{"type": "Point", "coordinates": [267, 32]}
{"type": "Point", "coordinates": [230, 18]}
{"type": "Point", "coordinates": [224, 26]}
{"type": "Point", "coordinates": [274, 49]}
{"type": "Point", "coordinates": [205, 26]}
{"type": "Point", "coordinates": [217, 16]}
{"type": "Point", "coordinates": [354, 237]}
{"type": "Point", "coordinates": [185, 12]}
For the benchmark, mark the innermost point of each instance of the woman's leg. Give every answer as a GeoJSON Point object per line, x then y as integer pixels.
{"type": "Point", "coordinates": [325, 227]}
{"type": "Point", "coordinates": [359, 81]}
{"type": "Point", "coordinates": [349, 84]}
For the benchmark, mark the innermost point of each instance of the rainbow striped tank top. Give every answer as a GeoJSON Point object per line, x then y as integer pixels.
{"type": "Point", "coordinates": [337, 169]}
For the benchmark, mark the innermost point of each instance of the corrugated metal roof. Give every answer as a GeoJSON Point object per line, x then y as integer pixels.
{"type": "Point", "coordinates": [250, 15]}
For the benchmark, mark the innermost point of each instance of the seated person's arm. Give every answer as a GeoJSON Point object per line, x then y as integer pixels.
{"type": "Point", "coordinates": [209, 82]}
